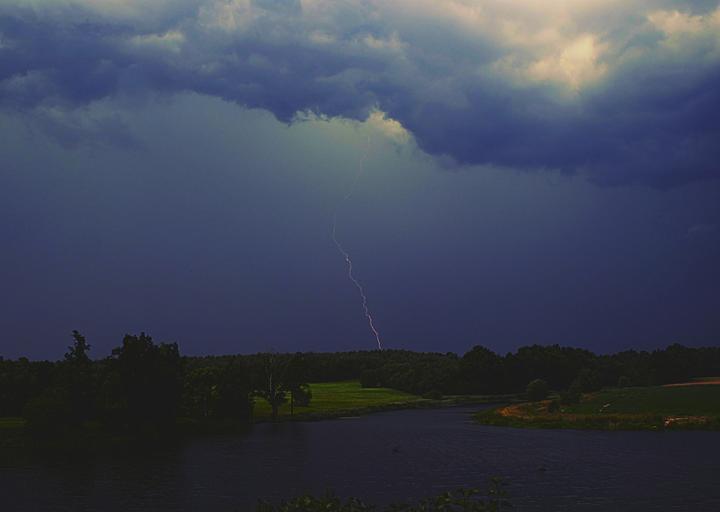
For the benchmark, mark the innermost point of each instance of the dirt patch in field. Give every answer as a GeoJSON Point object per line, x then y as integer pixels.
{"type": "Point", "coordinates": [709, 382]}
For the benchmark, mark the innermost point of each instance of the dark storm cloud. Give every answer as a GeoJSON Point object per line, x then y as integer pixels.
{"type": "Point", "coordinates": [624, 94]}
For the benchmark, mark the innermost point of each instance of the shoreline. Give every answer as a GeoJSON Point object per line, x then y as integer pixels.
{"type": "Point", "coordinates": [14, 436]}
{"type": "Point", "coordinates": [420, 403]}
{"type": "Point", "coordinates": [616, 422]}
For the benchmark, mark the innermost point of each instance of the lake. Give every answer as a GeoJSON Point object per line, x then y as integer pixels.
{"type": "Point", "coordinates": [383, 458]}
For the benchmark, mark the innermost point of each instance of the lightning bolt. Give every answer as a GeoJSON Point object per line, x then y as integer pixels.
{"type": "Point", "coordinates": [346, 255]}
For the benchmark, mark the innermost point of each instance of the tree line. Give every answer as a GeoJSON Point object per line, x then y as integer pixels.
{"type": "Point", "coordinates": [482, 371]}
{"type": "Point", "coordinates": [144, 387]}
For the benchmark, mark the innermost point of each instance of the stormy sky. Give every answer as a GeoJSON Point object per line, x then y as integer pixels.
{"type": "Point", "coordinates": [532, 172]}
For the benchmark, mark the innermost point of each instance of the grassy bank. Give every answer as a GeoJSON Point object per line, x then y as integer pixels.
{"type": "Point", "coordinates": [642, 408]}
{"type": "Point", "coordinates": [11, 430]}
{"type": "Point", "coordinates": [348, 398]}
{"type": "Point", "coordinates": [8, 424]}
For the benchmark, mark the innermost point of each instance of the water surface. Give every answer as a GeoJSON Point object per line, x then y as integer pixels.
{"type": "Point", "coordinates": [383, 458]}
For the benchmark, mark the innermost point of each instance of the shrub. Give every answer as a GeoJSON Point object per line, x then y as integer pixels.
{"type": "Point", "coordinates": [433, 395]}
{"type": "Point", "coordinates": [302, 395]}
{"type": "Point", "coordinates": [370, 379]}
{"type": "Point", "coordinates": [587, 381]}
{"type": "Point", "coordinates": [463, 500]}
{"type": "Point", "coordinates": [47, 416]}
{"type": "Point", "coordinates": [571, 396]}
{"type": "Point", "coordinates": [624, 382]}
{"type": "Point", "coordinates": [537, 390]}
{"type": "Point", "coordinates": [329, 503]}
{"type": "Point", "coordinates": [554, 406]}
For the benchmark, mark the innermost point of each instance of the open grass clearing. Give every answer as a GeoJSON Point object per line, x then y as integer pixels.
{"type": "Point", "coordinates": [338, 398]}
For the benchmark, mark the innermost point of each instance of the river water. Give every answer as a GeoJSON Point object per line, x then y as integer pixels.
{"type": "Point", "coordinates": [384, 458]}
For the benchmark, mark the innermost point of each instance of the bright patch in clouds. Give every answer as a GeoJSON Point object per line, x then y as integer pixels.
{"type": "Point", "coordinates": [576, 65]}
{"type": "Point", "coordinates": [676, 22]}
{"type": "Point", "coordinates": [390, 128]}
{"type": "Point", "coordinates": [169, 41]}
{"type": "Point", "coordinates": [228, 16]}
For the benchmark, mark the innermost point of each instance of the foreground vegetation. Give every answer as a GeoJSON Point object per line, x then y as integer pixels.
{"type": "Point", "coordinates": [632, 408]}
{"type": "Point", "coordinates": [494, 499]}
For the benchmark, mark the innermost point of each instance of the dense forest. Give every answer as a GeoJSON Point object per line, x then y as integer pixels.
{"type": "Point", "coordinates": [144, 388]}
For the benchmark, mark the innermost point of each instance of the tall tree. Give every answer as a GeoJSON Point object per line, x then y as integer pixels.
{"type": "Point", "coordinates": [202, 391]}
{"type": "Point", "coordinates": [273, 386]}
{"type": "Point", "coordinates": [146, 383]}
{"type": "Point", "coordinates": [482, 370]}
{"type": "Point", "coordinates": [78, 352]}
{"type": "Point", "coordinates": [78, 379]}
{"type": "Point", "coordinates": [234, 399]}
{"type": "Point", "coordinates": [296, 377]}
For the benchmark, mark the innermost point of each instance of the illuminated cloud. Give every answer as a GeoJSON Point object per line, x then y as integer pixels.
{"type": "Point", "coordinates": [390, 128]}
{"type": "Point", "coordinates": [576, 64]}
{"type": "Point", "coordinates": [170, 41]}
{"type": "Point", "coordinates": [620, 92]}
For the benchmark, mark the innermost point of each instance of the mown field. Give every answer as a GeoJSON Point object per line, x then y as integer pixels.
{"type": "Point", "coordinates": [681, 400]}
{"type": "Point", "coordinates": [11, 429]}
{"type": "Point", "coordinates": [640, 408]}
{"type": "Point", "coordinates": [11, 423]}
{"type": "Point", "coordinates": [349, 398]}
{"type": "Point", "coordinates": [331, 399]}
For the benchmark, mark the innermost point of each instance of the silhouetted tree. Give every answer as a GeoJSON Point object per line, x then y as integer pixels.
{"type": "Point", "coordinates": [233, 400]}
{"type": "Point", "coordinates": [221, 392]}
{"type": "Point", "coordinates": [674, 364]}
{"type": "Point", "coordinates": [48, 415]}
{"type": "Point", "coordinates": [145, 383]}
{"type": "Point", "coordinates": [202, 391]}
{"type": "Point", "coordinates": [78, 380]}
{"type": "Point", "coordinates": [296, 382]}
{"type": "Point", "coordinates": [586, 381]}
{"type": "Point", "coordinates": [19, 382]}
{"type": "Point", "coordinates": [482, 371]}
{"type": "Point", "coordinates": [537, 390]}
{"type": "Point", "coordinates": [370, 378]}
{"type": "Point", "coordinates": [624, 381]}
{"type": "Point", "coordinates": [272, 386]}
{"type": "Point", "coordinates": [78, 352]}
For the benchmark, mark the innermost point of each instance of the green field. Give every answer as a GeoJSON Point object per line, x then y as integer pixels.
{"type": "Point", "coordinates": [666, 401]}
{"type": "Point", "coordinates": [641, 408]}
{"type": "Point", "coordinates": [333, 399]}
{"type": "Point", "coordinates": [11, 423]}
{"type": "Point", "coordinates": [11, 430]}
